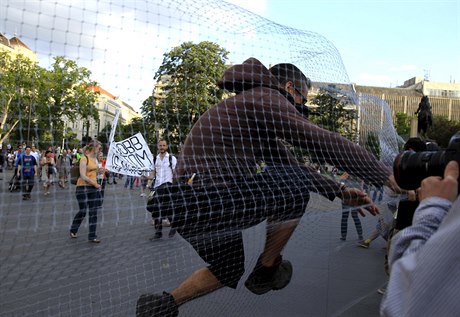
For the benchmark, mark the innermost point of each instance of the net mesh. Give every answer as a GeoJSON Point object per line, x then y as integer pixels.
{"type": "Point", "coordinates": [124, 46]}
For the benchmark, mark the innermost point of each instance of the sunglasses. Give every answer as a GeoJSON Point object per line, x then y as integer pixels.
{"type": "Point", "coordinates": [304, 99]}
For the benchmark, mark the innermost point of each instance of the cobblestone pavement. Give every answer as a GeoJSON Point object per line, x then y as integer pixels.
{"type": "Point", "coordinates": [44, 273]}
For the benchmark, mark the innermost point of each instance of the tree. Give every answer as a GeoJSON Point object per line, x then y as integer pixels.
{"type": "Point", "coordinates": [124, 131]}
{"type": "Point", "coordinates": [65, 92]}
{"type": "Point", "coordinates": [333, 112]}
{"type": "Point", "coordinates": [402, 124]}
{"type": "Point", "coordinates": [186, 87]}
{"type": "Point", "coordinates": [442, 130]}
{"type": "Point", "coordinates": [19, 77]}
{"type": "Point", "coordinates": [373, 144]}
{"type": "Point", "coordinates": [35, 101]}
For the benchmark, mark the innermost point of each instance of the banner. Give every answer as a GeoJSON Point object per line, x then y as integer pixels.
{"type": "Point", "coordinates": [131, 156]}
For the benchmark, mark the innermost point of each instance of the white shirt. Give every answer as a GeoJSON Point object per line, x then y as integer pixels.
{"type": "Point", "coordinates": [36, 155]}
{"type": "Point", "coordinates": [163, 172]}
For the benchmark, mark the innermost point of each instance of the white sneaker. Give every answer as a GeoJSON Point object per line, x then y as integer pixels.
{"type": "Point", "coordinates": [143, 195]}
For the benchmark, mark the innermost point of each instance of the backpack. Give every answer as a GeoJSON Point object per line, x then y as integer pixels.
{"type": "Point", "coordinates": [75, 172]}
{"type": "Point", "coordinates": [170, 157]}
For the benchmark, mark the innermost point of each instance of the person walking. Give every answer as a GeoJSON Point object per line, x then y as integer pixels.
{"type": "Point", "coordinates": [26, 169]}
{"type": "Point", "coordinates": [347, 180]}
{"type": "Point", "coordinates": [88, 192]}
{"type": "Point", "coordinates": [129, 182]}
{"type": "Point", "coordinates": [165, 164]}
{"type": "Point", "coordinates": [48, 171]}
{"type": "Point", "coordinates": [63, 165]}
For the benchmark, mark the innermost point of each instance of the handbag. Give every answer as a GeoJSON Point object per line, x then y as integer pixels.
{"type": "Point", "coordinates": [75, 172]}
{"type": "Point", "coordinates": [164, 196]}
{"type": "Point", "coordinates": [52, 170]}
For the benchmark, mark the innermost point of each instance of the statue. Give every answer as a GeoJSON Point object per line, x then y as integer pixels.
{"type": "Point", "coordinates": [424, 115]}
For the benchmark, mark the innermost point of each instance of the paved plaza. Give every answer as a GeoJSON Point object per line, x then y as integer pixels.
{"type": "Point", "coordinates": [44, 273]}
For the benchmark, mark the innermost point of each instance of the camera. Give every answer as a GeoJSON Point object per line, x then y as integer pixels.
{"type": "Point", "coordinates": [410, 168]}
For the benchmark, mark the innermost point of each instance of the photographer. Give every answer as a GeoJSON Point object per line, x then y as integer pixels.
{"type": "Point", "coordinates": [424, 257]}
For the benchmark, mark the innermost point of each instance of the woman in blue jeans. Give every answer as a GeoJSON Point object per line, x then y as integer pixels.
{"type": "Point", "coordinates": [345, 179]}
{"type": "Point", "coordinates": [88, 192]}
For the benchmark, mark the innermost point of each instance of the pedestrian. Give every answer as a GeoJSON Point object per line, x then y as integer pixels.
{"type": "Point", "coordinates": [26, 168]}
{"type": "Point", "coordinates": [63, 166]}
{"type": "Point", "coordinates": [2, 160]}
{"type": "Point", "coordinates": [382, 229]}
{"type": "Point", "coordinates": [218, 191]}
{"type": "Point", "coordinates": [48, 171]}
{"type": "Point", "coordinates": [102, 173]}
{"type": "Point", "coordinates": [347, 180]}
{"type": "Point", "coordinates": [164, 165]}
{"type": "Point", "coordinates": [129, 182]}
{"type": "Point", "coordinates": [88, 192]}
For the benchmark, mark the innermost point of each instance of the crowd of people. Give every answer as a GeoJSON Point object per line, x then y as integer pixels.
{"type": "Point", "coordinates": [48, 167]}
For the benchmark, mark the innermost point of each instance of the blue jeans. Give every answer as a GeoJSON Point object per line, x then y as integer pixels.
{"type": "Point", "coordinates": [129, 181]}
{"type": "Point", "coordinates": [27, 184]}
{"type": "Point", "coordinates": [88, 197]}
{"type": "Point", "coordinates": [346, 210]}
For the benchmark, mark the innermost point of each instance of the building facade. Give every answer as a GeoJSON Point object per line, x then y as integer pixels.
{"type": "Point", "coordinates": [15, 46]}
{"type": "Point", "coordinates": [433, 89]}
{"type": "Point", "coordinates": [107, 105]}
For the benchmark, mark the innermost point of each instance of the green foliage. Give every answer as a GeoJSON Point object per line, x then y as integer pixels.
{"type": "Point", "coordinates": [402, 124]}
{"type": "Point", "coordinates": [124, 131]}
{"type": "Point", "coordinates": [186, 88]}
{"type": "Point", "coordinates": [65, 93]}
{"type": "Point", "coordinates": [372, 144]}
{"type": "Point", "coordinates": [35, 101]}
{"type": "Point", "coordinates": [442, 130]}
{"type": "Point", "coordinates": [334, 114]}
{"type": "Point", "coordinates": [18, 93]}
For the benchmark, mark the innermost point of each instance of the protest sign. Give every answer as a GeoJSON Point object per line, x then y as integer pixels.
{"type": "Point", "coordinates": [131, 156]}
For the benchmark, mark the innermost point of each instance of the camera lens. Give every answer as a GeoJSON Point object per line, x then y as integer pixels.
{"type": "Point", "coordinates": [410, 168]}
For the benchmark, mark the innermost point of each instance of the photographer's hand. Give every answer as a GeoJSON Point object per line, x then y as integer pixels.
{"type": "Point", "coordinates": [446, 187]}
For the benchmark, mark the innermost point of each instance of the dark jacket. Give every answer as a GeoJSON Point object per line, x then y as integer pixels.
{"type": "Point", "coordinates": [230, 138]}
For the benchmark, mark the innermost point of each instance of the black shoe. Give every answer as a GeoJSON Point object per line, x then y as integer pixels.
{"type": "Point", "coordinates": [154, 305]}
{"type": "Point", "coordinates": [95, 240]}
{"type": "Point", "coordinates": [157, 235]}
{"type": "Point", "coordinates": [172, 232]}
{"type": "Point", "coordinates": [263, 279]}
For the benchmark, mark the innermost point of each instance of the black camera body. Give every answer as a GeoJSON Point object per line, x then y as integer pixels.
{"type": "Point", "coordinates": [410, 168]}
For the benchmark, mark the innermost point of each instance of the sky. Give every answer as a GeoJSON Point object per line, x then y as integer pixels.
{"type": "Point", "coordinates": [372, 42]}
{"type": "Point", "coordinates": [381, 42]}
